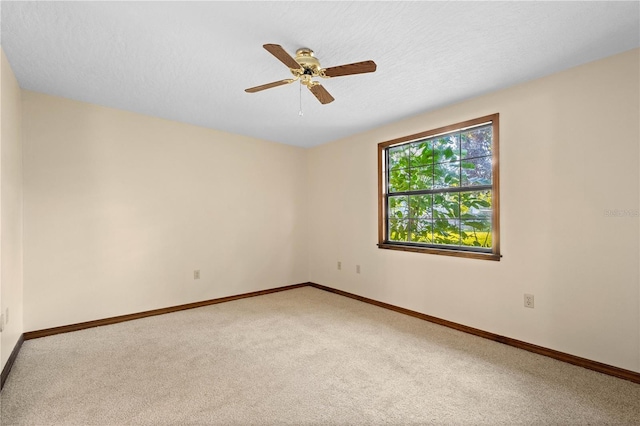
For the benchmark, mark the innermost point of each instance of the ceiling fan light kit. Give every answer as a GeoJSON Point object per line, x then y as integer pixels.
{"type": "Point", "coordinates": [305, 67]}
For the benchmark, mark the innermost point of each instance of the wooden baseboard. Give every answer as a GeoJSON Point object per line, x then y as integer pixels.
{"type": "Point", "coordinates": [551, 353]}
{"type": "Point", "coordinates": [561, 356]}
{"type": "Point", "coordinates": [113, 320]}
{"type": "Point", "coordinates": [10, 361]}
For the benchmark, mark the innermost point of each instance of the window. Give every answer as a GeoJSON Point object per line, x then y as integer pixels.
{"type": "Point", "coordinates": [438, 191]}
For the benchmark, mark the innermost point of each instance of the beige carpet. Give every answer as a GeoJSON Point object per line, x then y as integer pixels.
{"type": "Point", "coordinates": [301, 356]}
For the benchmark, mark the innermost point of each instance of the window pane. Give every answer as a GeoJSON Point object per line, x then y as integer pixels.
{"type": "Point", "coordinates": [420, 206]}
{"type": "Point", "coordinates": [475, 205]}
{"type": "Point", "coordinates": [398, 180]}
{"type": "Point", "coordinates": [437, 191]}
{"type": "Point", "coordinates": [476, 233]}
{"type": "Point", "coordinates": [446, 175]}
{"type": "Point", "coordinates": [476, 171]}
{"type": "Point", "coordinates": [398, 229]}
{"type": "Point", "coordinates": [420, 231]}
{"type": "Point", "coordinates": [421, 178]}
{"type": "Point", "coordinates": [421, 153]}
{"type": "Point", "coordinates": [398, 207]}
{"type": "Point", "coordinates": [446, 148]}
{"type": "Point", "coordinates": [446, 231]}
{"type": "Point", "coordinates": [476, 142]}
{"type": "Point", "coordinates": [398, 158]}
{"type": "Point", "coordinates": [446, 205]}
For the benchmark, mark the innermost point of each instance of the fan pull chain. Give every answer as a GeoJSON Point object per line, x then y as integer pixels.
{"type": "Point", "coordinates": [300, 113]}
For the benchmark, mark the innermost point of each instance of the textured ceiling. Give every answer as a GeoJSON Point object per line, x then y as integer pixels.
{"type": "Point", "coordinates": [191, 61]}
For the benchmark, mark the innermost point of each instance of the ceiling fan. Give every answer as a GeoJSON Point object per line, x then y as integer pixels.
{"type": "Point", "coordinates": [305, 66]}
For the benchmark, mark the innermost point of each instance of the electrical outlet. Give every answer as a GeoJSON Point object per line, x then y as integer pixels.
{"type": "Point", "coordinates": [339, 266]}
{"type": "Point", "coordinates": [528, 301]}
{"type": "Point", "coordinates": [357, 269]}
{"type": "Point", "coordinates": [196, 274]}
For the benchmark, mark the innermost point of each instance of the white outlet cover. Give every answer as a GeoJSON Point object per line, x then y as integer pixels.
{"type": "Point", "coordinates": [529, 301]}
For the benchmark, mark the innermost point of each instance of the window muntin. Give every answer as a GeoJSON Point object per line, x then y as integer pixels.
{"type": "Point", "coordinates": [439, 190]}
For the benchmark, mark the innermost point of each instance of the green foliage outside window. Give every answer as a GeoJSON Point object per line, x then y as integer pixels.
{"type": "Point", "coordinates": [439, 190]}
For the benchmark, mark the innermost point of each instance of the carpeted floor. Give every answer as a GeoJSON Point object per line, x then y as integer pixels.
{"type": "Point", "coordinates": [301, 356]}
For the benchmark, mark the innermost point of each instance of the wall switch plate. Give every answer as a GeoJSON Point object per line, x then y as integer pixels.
{"type": "Point", "coordinates": [6, 315]}
{"type": "Point", "coordinates": [357, 269]}
{"type": "Point", "coordinates": [339, 266]}
{"type": "Point", "coordinates": [196, 274]}
{"type": "Point", "coordinates": [528, 301]}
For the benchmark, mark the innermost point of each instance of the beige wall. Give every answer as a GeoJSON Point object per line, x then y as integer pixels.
{"type": "Point", "coordinates": [10, 211]}
{"type": "Point", "coordinates": [121, 208]}
{"type": "Point", "coordinates": [569, 151]}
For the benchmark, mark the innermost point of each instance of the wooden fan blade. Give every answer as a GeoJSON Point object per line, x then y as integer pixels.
{"type": "Point", "coordinates": [282, 55]}
{"type": "Point", "coordinates": [269, 85]}
{"type": "Point", "coordinates": [321, 93]}
{"type": "Point", "coordinates": [349, 69]}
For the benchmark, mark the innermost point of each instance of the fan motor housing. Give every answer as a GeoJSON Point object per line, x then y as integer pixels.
{"type": "Point", "coordinates": [306, 58]}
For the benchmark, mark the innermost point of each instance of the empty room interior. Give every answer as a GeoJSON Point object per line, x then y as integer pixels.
{"type": "Point", "coordinates": [320, 213]}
